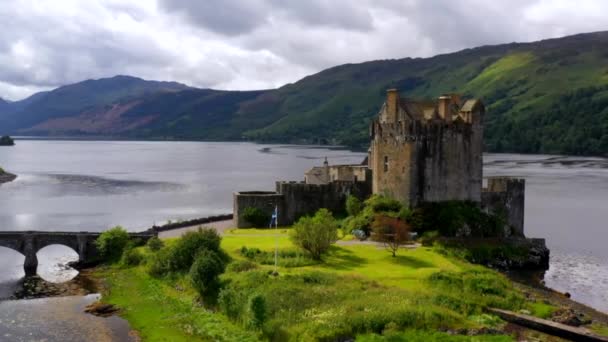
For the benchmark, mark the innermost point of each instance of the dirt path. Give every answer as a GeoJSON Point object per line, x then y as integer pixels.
{"type": "Point", "coordinates": [220, 226]}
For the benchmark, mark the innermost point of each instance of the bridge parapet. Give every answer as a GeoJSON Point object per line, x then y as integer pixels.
{"type": "Point", "coordinates": [29, 243]}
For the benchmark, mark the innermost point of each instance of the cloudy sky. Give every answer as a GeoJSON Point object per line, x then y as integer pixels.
{"type": "Point", "coordinates": [253, 44]}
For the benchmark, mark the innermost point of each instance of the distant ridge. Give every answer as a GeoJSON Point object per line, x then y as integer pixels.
{"type": "Point", "coordinates": [549, 96]}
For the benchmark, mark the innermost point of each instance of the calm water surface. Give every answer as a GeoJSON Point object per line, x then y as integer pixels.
{"type": "Point", "coordinates": [93, 185]}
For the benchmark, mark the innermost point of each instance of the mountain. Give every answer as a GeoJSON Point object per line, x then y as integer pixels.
{"type": "Point", "coordinates": [77, 99]}
{"type": "Point", "coordinates": [549, 96]}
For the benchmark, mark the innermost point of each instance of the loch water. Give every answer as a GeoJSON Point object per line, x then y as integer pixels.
{"type": "Point", "coordinates": [93, 185]}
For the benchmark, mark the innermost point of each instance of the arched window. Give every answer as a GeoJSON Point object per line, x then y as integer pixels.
{"type": "Point", "coordinates": [385, 163]}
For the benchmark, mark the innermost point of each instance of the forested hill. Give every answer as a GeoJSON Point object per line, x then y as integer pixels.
{"type": "Point", "coordinates": [549, 96]}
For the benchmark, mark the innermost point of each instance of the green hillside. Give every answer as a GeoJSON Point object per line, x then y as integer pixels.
{"type": "Point", "coordinates": [549, 96]}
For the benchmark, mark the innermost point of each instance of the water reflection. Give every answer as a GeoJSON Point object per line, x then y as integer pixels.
{"type": "Point", "coordinates": [53, 263]}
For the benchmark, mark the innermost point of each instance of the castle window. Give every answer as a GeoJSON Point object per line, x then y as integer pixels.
{"type": "Point", "coordinates": [356, 179]}
{"type": "Point", "coordinates": [385, 163]}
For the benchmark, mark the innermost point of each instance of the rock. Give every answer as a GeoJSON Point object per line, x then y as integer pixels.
{"type": "Point", "coordinates": [101, 309]}
{"type": "Point", "coordinates": [570, 317]}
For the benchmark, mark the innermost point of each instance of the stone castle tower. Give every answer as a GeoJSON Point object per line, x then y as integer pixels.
{"type": "Point", "coordinates": [427, 151]}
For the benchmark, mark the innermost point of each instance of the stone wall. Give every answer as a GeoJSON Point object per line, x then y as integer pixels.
{"type": "Point", "coordinates": [506, 196]}
{"type": "Point", "coordinates": [305, 199]}
{"type": "Point", "coordinates": [263, 200]}
{"type": "Point", "coordinates": [297, 199]}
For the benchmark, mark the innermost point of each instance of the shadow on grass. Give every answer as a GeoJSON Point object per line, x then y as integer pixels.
{"type": "Point", "coordinates": [343, 259]}
{"type": "Point", "coordinates": [408, 261]}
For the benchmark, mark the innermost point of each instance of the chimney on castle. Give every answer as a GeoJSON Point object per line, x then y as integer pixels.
{"type": "Point", "coordinates": [392, 104]}
{"type": "Point", "coordinates": [443, 107]}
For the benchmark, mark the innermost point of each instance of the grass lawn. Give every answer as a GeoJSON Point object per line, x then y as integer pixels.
{"type": "Point", "coordinates": [357, 291]}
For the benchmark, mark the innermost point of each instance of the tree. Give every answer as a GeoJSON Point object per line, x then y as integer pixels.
{"type": "Point", "coordinates": [205, 272]}
{"type": "Point", "coordinates": [112, 243]}
{"type": "Point", "coordinates": [393, 232]}
{"type": "Point", "coordinates": [316, 234]}
{"type": "Point", "coordinates": [353, 206]}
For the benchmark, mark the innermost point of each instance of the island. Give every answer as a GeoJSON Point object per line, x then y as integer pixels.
{"type": "Point", "coordinates": [6, 140]}
{"type": "Point", "coordinates": [407, 245]}
{"type": "Point", "coordinates": [6, 177]}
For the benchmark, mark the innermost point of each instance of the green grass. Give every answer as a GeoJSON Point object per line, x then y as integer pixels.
{"type": "Point", "coordinates": [357, 291]}
{"type": "Point", "coordinates": [165, 310]}
{"type": "Point", "coordinates": [541, 310]}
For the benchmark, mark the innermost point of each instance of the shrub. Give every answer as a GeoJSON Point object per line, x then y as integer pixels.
{"type": "Point", "coordinates": [353, 205]}
{"type": "Point", "coordinates": [257, 311]}
{"type": "Point", "coordinates": [205, 272]}
{"type": "Point", "coordinates": [241, 266]}
{"type": "Point", "coordinates": [155, 244]}
{"type": "Point", "coordinates": [315, 234]}
{"type": "Point", "coordinates": [111, 244]}
{"type": "Point", "coordinates": [159, 265]}
{"type": "Point", "coordinates": [132, 257]}
{"type": "Point", "coordinates": [186, 248]}
{"type": "Point", "coordinates": [286, 257]}
{"type": "Point", "coordinates": [360, 222]}
{"type": "Point", "coordinates": [256, 217]}
{"type": "Point", "coordinates": [380, 204]}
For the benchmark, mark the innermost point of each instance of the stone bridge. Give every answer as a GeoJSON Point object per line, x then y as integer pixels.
{"type": "Point", "coordinates": [29, 243]}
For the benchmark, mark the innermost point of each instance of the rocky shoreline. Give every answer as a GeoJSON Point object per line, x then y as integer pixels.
{"type": "Point", "coordinates": [36, 287]}
{"type": "Point", "coordinates": [6, 177]}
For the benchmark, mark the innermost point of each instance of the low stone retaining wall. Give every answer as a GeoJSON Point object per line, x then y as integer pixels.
{"type": "Point", "coordinates": [549, 327]}
{"type": "Point", "coordinates": [189, 223]}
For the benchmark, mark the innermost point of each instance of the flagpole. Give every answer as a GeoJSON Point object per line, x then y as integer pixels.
{"type": "Point", "coordinates": [276, 249]}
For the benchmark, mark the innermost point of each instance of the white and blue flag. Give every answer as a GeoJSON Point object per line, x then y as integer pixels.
{"type": "Point", "coordinates": [273, 218]}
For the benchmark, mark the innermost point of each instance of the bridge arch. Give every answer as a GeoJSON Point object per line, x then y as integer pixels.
{"type": "Point", "coordinates": [54, 263]}
{"type": "Point", "coordinates": [30, 242]}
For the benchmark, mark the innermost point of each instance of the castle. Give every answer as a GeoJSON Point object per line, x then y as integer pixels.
{"type": "Point", "coordinates": [420, 151]}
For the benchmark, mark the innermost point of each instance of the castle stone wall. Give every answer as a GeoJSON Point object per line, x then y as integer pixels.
{"type": "Point", "coordinates": [418, 162]}
{"type": "Point", "coordinates": [263, 200]}
{"type": "Point", "coordinates": [305, 199]}
{"type": "Point", "coordinates": [506, 196]}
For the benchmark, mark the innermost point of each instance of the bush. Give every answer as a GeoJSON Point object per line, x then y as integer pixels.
{"type": "Point", "coordinates": [155, 244]}
{"type": "Point", "coordinates": [205, 272]}
{"type": "Point", "coordinates": [256, 217]}
{"type": "Point", "coordinates": [316, 234]}
{"type": "Point", "coordinates": [286, 257]}
{"type": "Point", "coordinates": [457, 218]}
{"type": "Point", "coordinates": [380, 204]}
{"type": "Point", "coordinates": [111, 244]}
{"type": "Point", "coordinates": [159, 265]}
{"type": "Point", "coordinates": [132, 257]}
{"type": "Point", "coordinates": [241, 266]}
{"type": "Point", "coordinates": [257, 311]}
{"type": "Point", "coordinates": [353, 206]}
{"type": "Point", "coordinates": [190, 244]}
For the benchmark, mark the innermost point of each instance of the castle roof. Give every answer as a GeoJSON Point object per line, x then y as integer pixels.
{"type": "Point", "coordinates": [470, 105]}
{"type": "Point", "coordinates": [418, 110]}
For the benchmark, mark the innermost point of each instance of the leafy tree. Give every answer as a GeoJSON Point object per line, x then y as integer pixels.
{"type": "Point", "coordinates": [6, 141]}
{"type": "Point", "coordinates": [393, 232]}
{"type": "Point", "coordinates": [353, 206]}
{"type": "Point", "coordinates": [155, 244]}
{"type": "Point", "coordinates": [205, 272]}
{"type": "Point", "coordinates": [257, 310]}
{"type": "Point", "coordinates": [111, 243]}
{"type": "Point", "coordinates": [186, 248]}
{"type": "Point", "coordinates": [316, 234]}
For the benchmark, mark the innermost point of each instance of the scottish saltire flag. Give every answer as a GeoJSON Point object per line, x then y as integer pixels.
{"type": "Point", "coordinates": [273, 218]}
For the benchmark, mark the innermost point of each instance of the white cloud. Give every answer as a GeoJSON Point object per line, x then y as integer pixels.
{"type": "Point", "coordinates": [252, 44]}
